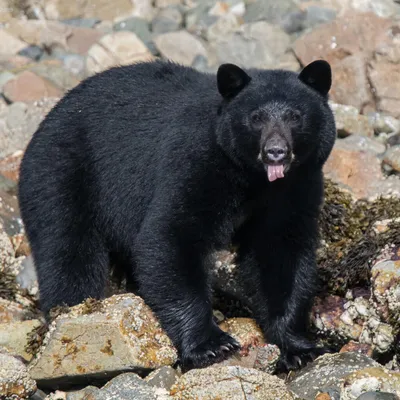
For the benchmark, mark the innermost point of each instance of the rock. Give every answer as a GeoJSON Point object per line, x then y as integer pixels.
{"type": "Point", "coordinates": [85, 394]}
{"type": "Point", "coordinates": [26, 277]}
{"type": "Point", "coordinates": [248, 46]}
{"type": "Point", "coordinates": [121, 334]}
{"type": "Point", "coordinates": [392, 157]}
{"type": "Point", "coordinates": [33, 52]}
{"type": "Point", "coordinates": [339, 319]}
{"type": "Point", "coordinates": [327, 372]}
{"type": "Point", "coordinates": [15, 381]}
{"type": "Point", "coordinates": [271, 11]}
{"type": "Point", "coordinates": [385, 287]}
{"type": "Point", "coordinates": [180, 46]}
{"type": "Point", "coordinates": [377, 396]}
{"type": "Point", "coordinates": [126, 387]}
{"type": "Point", "coordinates": [76, 65]}
{"type": "Point", "coordinates": [167, 20]}
{"type": "Point", "coordinates": [5, 11]}
{"type": "Point", "coordinates": [136, 25]}
{"type": "Point", "coordinates": [223, 26]}
{"type": "Point", "coordinates": [355, 347]}
{"type": "Point", "coordinates": [198, 19]}
{"type": "Point", "coordinates": [245, 331]}
{"type": "Point", "coordinates": [316, 14]}
{"type": "Point", "coordinates": [12, 311]}
{"type": "Point", "coordinates": [18, 122]}
{"type": "Point", "coordinates": [29, 87]}
{"type": "Point", "coordinates": [347, 43]}
{"type": "Point", "coordinates": [5, 76]}
{"type": "Point", "coordinates": [369, 379]}
{"type": "Point", "coordinates": [99, 9]}
{"type": "Point", "coordinates": [13, 336]}
{"type": "Point", "coordinates": [117, 48]}
{"type": "Point", "coordinates": [82, 39]}
{"type": "Point", "coordinates": [350, 122]}
{"type": "Point", "coordinates": [10, 45]}
{"type": "Point", "coordinates": [166, 3]}
{"type": "Point", "coordinates": [164, 378]}
{"type": "Point", "coordinates": [9, 166]}
{"type": "Point", "coordinates": [382, 8]}
{"type": "Point", "coordinates": [354, 166]}
{"type": "Point", "coordinates": [10, 221]}
{"type": "Point", "coordinates": [53, 71]}
{"type": "Point", "coordinates": [229, 382]}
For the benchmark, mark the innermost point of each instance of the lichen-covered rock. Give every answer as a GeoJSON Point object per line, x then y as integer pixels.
{"type": "Point", "coordinates": [14, 336]}
{"type": "Point", "coordinates": [340, 320]}
{"type": "Point", "coordinates": [385, 287]}
{"type": "Point", "coordinates": [15, 381]}
{"type": "Point", "coordinates": [327, 372]}
{"type": "Point", "coordinates": [117, 334]}
{"type": "Point", "coordinates": [356, 347]}
{"type": "Point", "coordinates": [228, 382]}
{"type": "Point", "coordinates": [369, 379]}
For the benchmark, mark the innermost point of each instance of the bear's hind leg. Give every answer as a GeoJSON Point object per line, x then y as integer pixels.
{"type": "Point", "coordinates": [71, 265]}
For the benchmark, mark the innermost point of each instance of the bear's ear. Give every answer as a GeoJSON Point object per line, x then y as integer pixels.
{"type": "Point", "coordinates": [231, 80]}
{"type": "Point", "coordinates": [317, 75]}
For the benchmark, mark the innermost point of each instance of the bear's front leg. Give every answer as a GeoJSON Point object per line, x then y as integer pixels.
{"type": "Point", "coordinates": [170, 270]}
{"type": "Point", "coordinates": [279, 269]}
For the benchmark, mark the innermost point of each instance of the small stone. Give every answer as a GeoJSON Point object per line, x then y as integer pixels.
{"type": "Point", "coordinates": [29, 87]}
{"type": "Point", "coordinates": [34, 52]}
{"type": "Point", "coordinates": [350, 122]}
{"type": "Point", "coordinates": [89, 23]}
{"type": "Point", "coordinates": [5, 76]}
{"type": "Point", "coordinates": [164, 378]}
{"type": "Point", "coordinates": [15, 381]}
{"type": "Point", "coordinates": [117, 48]}
{"type": "Point", "coordinates": [229, 382]}
{"type": "Point", "coordinates": [355, 347]}
{"type": "Point", "coordinates": [82, 39]}
{"type": "Point", "coordinates": [392, 157]}
{"type": "Point", "coordinates": [167, 3]}
{"type": "Point", "coordinates": [117, 334]}
{"type": "Point", "coordinates": [129, 386]}
{"type": "Point", "coordinates": [13, 336]}
{"type": "Point", "coordinates": [167, 20]}
{"type": "Point", "coordinates": [85, 394]}
{"type": "Point", "coordinates": [136, 25]}
{"type": "Point", "coordinates": [369, 379]}
{"type": "Point", "coordinates": [180, 46]}
{"type": "Point", "coordinates": [75, 64]}
{"type": "Point", "coordinates": [245, 331]}
{"type": "Point", "coordinates": [385, 287]}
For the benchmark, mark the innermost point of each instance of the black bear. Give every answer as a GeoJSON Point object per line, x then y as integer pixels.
{"type": "Point", "coordinates": [153, 166]}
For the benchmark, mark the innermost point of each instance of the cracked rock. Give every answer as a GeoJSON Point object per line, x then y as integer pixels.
{"type": "Point", "coordinates": [229, 382]}
{"type": "Point", "coordinates": [102, 338]}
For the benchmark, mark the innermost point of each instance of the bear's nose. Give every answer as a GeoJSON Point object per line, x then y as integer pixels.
{"type": "Point", "coordinates": [276, 153]}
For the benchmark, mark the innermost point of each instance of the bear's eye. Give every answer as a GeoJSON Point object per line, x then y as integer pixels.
{"type": "Point", "coordinates": [295, 116]}
{"type": "Point", "coordinates": [256, 118]}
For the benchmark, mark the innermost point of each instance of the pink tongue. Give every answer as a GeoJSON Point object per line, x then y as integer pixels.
{"type": "Point", "coordinates": [275, 172]}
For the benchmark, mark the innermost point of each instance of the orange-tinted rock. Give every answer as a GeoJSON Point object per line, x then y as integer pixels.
{"type": "Point", "coordinates": [29, 87]}
{"type": "Point", "coordinates": [9, 166]}
{"type": "Point", "coordinates": [355, 347]}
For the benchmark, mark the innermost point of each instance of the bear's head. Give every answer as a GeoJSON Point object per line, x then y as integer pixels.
{"type": "Point", "coordinates": [276, 120]}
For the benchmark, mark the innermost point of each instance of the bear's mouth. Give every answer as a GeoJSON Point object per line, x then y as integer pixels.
{"type": "Point", "coordinates": [275, 172]}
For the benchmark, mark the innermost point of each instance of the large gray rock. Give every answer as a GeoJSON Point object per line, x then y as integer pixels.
{"type": "Point", "coordinates": [257, 45]}
{"type": "Point", "coordinates": [127, 387]}
{"type": "Point", "coordinates": [102, 338]}
{"type": "Point", "coordinates": [327, 372]}
{"type": "Point", "coordinates": [234, 383]}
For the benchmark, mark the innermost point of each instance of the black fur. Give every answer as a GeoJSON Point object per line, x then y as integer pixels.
{"type": "Point", "coordinates": [155, 165]}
